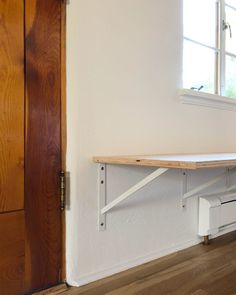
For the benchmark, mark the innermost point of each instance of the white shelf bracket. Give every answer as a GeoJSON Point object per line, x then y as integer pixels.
{"type": "Point", "coordinates": [193, 192]}
{"type": "Point", "coordinates": [102, 182]}
{"type": "Point", "coordinates": [184, 188]}
{"type": "Point", "coordinates": [104, 208]}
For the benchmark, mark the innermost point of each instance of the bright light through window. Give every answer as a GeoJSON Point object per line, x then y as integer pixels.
{"type": "Point", "coordinates": [231, 2]}
{"type": "Point", "coordinates": [209, 56]}
{"type": "Point", "coordinates": [199, 67]}
{"type": "Point", "coordinates": [200, 21]}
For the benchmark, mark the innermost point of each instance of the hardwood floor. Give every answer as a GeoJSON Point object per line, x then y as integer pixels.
{"type": "Point", "coordinates": [199, 270]}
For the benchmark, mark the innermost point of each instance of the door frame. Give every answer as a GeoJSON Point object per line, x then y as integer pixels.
{"type": "Point", "coordinates": [61, 58]}
{"type": "Point", "coordinates": [63, 125]}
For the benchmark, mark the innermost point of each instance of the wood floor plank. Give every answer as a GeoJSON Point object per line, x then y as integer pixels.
{"type": "Point", "coordinates": [200, 292]}
{"type": "Point", "coordinates": [225, 284]}
{"type": "Point", "coordinates": [183, 275]}
{"type": "Point", "coordinates": [62, 288]}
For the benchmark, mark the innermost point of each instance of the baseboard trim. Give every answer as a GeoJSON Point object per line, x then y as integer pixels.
{"type": "Point", "coordinates": [84, 280]}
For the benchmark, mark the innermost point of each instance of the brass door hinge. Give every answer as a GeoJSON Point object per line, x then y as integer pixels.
{"type": "Point", "coordinates": [63, 189]}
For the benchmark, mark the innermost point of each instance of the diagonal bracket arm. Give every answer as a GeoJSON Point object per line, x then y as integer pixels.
{"type": "Point", "coordinates": [102, 192]}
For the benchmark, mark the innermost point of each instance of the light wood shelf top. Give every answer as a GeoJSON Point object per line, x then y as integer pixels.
{"type": "Point", "coordinates": [190, 161]}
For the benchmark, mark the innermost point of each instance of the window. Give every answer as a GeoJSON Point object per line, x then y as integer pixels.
{"type": "Point", "coordinates": [209, 58]}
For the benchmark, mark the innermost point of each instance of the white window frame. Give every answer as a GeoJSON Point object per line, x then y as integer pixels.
{"type": "Point", "coordinates": [216, 100]}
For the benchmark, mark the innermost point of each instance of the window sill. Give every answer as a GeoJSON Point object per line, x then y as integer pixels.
{"type": "Point", "coordinates": [204, 99]}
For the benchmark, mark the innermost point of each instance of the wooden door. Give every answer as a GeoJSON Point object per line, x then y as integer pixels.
{"type": "Point", "coordinates": [30, 145]}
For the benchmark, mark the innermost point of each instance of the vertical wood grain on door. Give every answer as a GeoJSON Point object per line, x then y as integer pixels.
{"type": "Point", "coordinates": [12, 251]}
{"type": "Point", "coordinates": [11, 105]}
{"type": "Point", "coordinates": [43, 143]}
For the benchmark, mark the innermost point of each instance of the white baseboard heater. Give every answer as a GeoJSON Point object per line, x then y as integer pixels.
{"type": "Point", "coordinates": [216, 211]}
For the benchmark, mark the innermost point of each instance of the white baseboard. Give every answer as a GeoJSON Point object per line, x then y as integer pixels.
{"type": "Point", "coordinates": [83, 280]}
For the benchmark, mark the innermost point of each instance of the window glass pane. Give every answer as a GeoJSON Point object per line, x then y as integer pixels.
{"type": "Point", "coordinates": [198, 67]}
{"type": "Point", "coordinates": [230, 77]}
{"type": "Point", "coordinates": [231, 2]}
{"type": "Point", "coordinates": [231, 40]}
{"type": "Point", "coordinates": [200, 21]}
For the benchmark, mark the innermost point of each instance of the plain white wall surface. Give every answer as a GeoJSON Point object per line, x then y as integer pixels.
{"type": "Point", "coordinates": [124, 66]}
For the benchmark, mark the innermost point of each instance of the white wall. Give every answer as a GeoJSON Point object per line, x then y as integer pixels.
{"type": "Point", "coordinates": [124, 68]}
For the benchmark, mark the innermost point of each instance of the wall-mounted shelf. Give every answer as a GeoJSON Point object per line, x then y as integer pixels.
{"type": "Point", "coordinates": [163, 164]}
